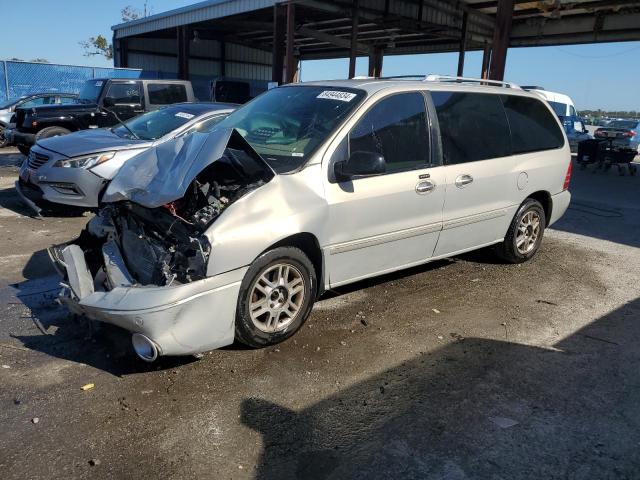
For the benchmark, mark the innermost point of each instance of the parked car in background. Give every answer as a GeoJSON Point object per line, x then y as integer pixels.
{"type": "Point", "coordinates": [102, 102]}
{"type": "Point", "coordinates": [73, 169]}
{"type": "Point", "coordinates": [624, 135]}
{"type": "Point", "coordinates": [233, 235]}
{"type": "Point", "coordinates": [564, 108]}
{"type": "Point", "coordinates": [8, 108]}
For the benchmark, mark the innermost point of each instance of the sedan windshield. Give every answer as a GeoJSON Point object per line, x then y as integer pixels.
{"type": "Point", "coordinates": [8, 103]}
{"type": "Point", "coordinates": [155, 124]}
{"type": "Point", "coordinates": [285, 125]}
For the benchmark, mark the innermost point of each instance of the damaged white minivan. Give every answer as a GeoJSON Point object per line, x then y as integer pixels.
{"type": "Point", "coordinates": [233, 235]}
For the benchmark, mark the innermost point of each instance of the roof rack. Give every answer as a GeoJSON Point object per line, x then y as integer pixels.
{"type": "Point", "coordinates": [482, 81]}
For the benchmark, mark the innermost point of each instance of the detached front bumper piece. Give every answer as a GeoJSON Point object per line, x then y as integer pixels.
{"type": "Point", "coordinates": [171, 320]}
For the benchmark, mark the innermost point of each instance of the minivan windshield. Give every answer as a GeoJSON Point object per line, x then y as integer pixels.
{"type": "Point", "coordinates": [155, 124]}
{"type": "Point", "coordinates": [90, 91]}
{"type": "Point", "coordinates": [285, 125]}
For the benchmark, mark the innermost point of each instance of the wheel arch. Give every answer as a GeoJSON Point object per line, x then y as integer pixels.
{"type": "Point", "coordinates": [66, 124]}
{"type": "Point", "coordinates": [308, 243]}
{"type": "Point", "coordinates": [545, 200]}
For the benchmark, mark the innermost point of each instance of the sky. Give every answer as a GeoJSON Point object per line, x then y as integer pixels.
{"type": "Point", "coordinates": [595, 76]}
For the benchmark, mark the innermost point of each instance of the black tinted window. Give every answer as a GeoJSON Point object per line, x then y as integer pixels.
{"type": "Point", "coordinates": [396, 127]}
{"type": "Point", "coordinates": [473, 126]}
{"type": "Point", "coordinates": [533, 126]}
{"type": "Point", "coordinates": [124, 93]}
{"type": "Point", "coordinates": [165, 93]}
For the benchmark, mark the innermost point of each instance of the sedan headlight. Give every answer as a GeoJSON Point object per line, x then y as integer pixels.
{"type": "Point", "coordinates": [87, 161]}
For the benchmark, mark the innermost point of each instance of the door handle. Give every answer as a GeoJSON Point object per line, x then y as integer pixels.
{"type": "Point", "coordinates": [424, 187]}
{"type": "Point", "coordinates": [463, 180]}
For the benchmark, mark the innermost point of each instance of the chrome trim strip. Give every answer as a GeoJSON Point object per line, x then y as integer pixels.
{"type": "Point", "coordinates": [384, 238]}
{"type": "Point", "coordinates": [480, 217]}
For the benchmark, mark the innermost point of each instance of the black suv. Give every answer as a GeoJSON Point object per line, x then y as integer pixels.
{"type": "Point", "coordinates": [102, 102]}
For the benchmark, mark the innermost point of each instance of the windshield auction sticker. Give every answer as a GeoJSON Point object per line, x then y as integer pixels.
{"type": "Point", "coordinates": [188, 116]}
{"type": "Point", "coordinates": [337, 95]}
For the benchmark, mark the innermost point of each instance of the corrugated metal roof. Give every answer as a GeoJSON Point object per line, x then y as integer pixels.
{"type": "Point", "coordinates": [198, 12]}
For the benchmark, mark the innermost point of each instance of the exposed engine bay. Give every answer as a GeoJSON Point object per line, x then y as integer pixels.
{"type": "Point", "coordinates": [129, 244]}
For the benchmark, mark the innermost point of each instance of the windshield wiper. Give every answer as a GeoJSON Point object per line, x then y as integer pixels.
{"type": "Point", "coordinates": [121, 122]}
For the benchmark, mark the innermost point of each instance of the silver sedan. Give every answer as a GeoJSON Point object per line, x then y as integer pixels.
{"type": "Point", "coordinates": [72, 170]}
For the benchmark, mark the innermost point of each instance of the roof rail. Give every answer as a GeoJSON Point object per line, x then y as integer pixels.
{"type": "Point", "coordinates": [449, 78]}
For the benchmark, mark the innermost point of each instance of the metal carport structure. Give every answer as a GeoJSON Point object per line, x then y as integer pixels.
{"type": "Point", "coordinates": [265, 39]}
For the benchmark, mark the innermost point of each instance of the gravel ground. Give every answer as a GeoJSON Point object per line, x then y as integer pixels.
{"type": "Point", "coordinates": [459, 369]}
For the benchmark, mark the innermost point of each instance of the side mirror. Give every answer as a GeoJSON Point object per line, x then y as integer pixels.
{"type": "Point", "coordinates": [108, 102]}
{"type": "Point", "coordinates": [360, 164]}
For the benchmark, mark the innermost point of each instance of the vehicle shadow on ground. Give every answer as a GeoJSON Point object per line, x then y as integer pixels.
{"type": "Point", "coordinates": [587, 218]}
{"type": "Point", "coordinates": [603, 206]}
{"type": "Point", "coordinates": [477, 408]}
{"type": "Point", "coordinates": [10, 200]}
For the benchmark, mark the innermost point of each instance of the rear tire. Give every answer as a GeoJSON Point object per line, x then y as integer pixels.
{"type": "Point", "coordinates": [276, 297]}
{"type": "Point", "coordinates": [51, 132]}
{"type": "Point", "coordinates": [525, 233]}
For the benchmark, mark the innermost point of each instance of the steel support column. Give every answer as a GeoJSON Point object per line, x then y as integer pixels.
{"type": "Point", "coordinates": [501, 37]}
{"type": "Point", "coordinates": [375, 62]}
{"type": "Point", "coordinates": [223, 58]}
{"type": "Point", "coordinates": [486, 59]}
{"type": "Point", "coordinates": [124, 53]}
{"type": "Point", "coordinates": [183, 52]}
{"type": "Point", "coordinates": [279, 25]}
{"type": "Point", "coordinates": [291, 27]}
{"type": "Point", "coordinates": [354, 40]}
{"type": "Point", "coordinates": [463, 44]}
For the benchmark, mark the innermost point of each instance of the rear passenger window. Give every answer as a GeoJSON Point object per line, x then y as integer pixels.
{"type": "Point", "coordinates": [166, 93]}
{"type": "Point", "coordinates": [124, 93]}
{"type": "Point", "coordinates": [396, 127]}
{"type": "Point", "coordinates": [473, 126]}
{"type": "Point", "coordinates": [533, 126]}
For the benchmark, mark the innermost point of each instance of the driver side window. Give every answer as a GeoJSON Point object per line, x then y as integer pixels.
{"type": "Point", "coordinates": [395, 127]}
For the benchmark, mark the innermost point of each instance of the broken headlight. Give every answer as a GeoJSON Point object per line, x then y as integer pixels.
{"type": "Point", "coordinates": [87, 161]}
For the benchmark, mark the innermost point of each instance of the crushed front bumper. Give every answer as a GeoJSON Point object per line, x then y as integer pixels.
{"type": "Point", "coordinates": [180, 320]}
{"type": "Point", "coordinates": [16, 137]}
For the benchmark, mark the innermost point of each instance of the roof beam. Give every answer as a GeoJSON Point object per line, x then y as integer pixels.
{"type": "Point", "coordinates": [332, 39]}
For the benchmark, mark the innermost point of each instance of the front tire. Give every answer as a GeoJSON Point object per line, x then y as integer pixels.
{"type": "Point", "coordinates": [3, 141]}
{"type": "Point", "coordinates": [51, 132]}
{"type": "Point", "coordinates": [276, 297]}
{"type": "Point", "coordinates": [525, 233]}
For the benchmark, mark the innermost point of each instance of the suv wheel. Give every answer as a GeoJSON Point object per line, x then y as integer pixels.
{"type": "Point", "coordinates": [275, 298]}
{"type": "Point", "coordinates": [525, 233]}
{"type": "Point", "coordinates": [51, 132]}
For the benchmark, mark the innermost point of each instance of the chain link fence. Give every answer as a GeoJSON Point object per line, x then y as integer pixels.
{"type": "Point", "coordinates": [21, 78]}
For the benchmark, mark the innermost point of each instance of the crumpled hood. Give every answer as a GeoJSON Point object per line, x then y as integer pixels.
{"type": "Point", "coordinates": [85, 142]}
{"type": "Point", "coordinates": [163, 173]}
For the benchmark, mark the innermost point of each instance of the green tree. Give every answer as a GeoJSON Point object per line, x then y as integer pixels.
{"type": "Point", "coordinates": [99, 45]}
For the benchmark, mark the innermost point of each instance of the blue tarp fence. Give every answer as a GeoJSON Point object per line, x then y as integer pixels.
{"type": "Point", "coordinates": [21, 78]}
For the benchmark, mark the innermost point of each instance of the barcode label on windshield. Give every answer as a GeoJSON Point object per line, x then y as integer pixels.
{"type": "Point", "coordinates": [188, 116]}
{"type": "Point", "coordinates": [337, 95]}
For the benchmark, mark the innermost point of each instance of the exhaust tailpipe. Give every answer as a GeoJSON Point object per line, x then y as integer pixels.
{"type": "Point", "coordinates": [145, 348]}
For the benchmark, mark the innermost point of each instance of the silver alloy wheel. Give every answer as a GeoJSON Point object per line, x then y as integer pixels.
{"type": "Point", "coordinates": [276, 297]}
{"type": "Point", "coordinates": [528, 232]}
